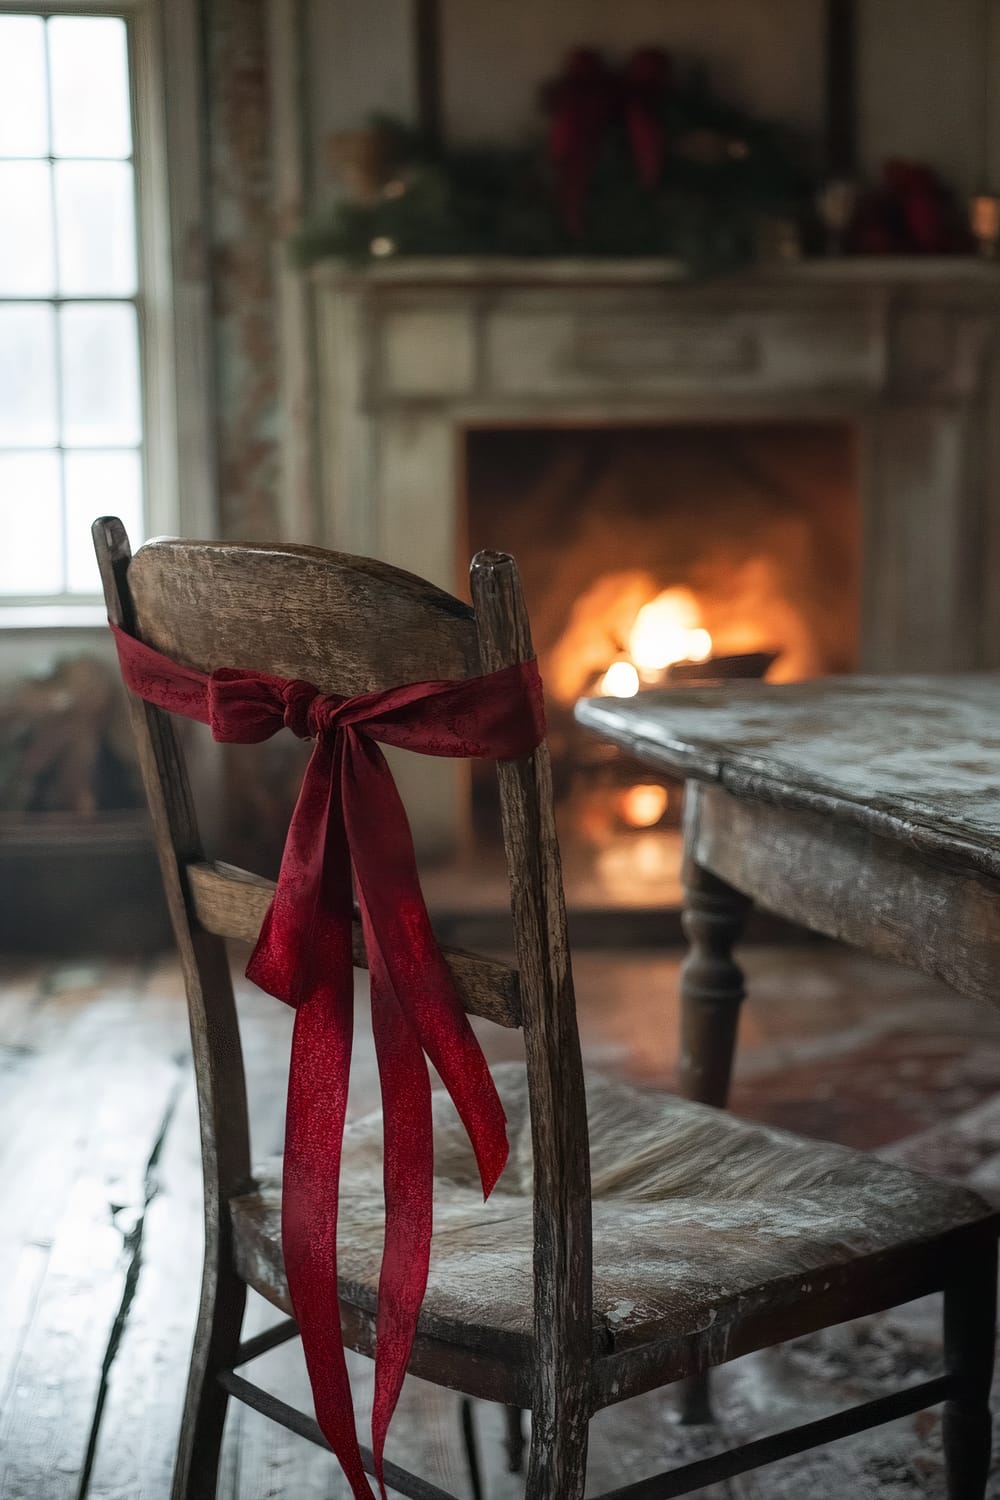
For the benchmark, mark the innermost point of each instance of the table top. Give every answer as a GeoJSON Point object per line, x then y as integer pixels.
{"type": "Point", "coordinates": [914, 758]}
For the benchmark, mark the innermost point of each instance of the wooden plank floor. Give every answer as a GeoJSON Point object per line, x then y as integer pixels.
{"type": "Point", "coordinates": [100, 1236]}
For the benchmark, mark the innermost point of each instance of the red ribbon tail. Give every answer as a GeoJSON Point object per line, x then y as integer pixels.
{"type": "Point", "coordinates": [409, 1190]}
{"type": "Point", "coordinates": [290, 939]}
{"type": "Point", "coordinates": [317, 1104]}
{"type": "Point", "coordinates": [386, 872]}
{"type": "Point", "coordinates": [304, 956]}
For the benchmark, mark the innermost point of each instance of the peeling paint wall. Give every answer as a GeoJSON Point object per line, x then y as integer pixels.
{"type": "Point", "coordinates": [249, 343]}
{"type": "Point", "coordinates": [244, 293]}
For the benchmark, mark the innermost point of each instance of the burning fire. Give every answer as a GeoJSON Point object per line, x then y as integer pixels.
{"type": "Point", "coordinates": [621, 680]}
{"type": "Point", "coordinates": [666, 630]}
{"type": "Point", "coordinates": [644, 804]}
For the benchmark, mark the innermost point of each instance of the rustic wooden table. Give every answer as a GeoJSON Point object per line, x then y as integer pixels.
{"type": "Point", "coordinates": [867, 809]}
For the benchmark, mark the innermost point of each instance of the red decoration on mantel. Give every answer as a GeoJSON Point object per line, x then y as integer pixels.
{"type": "Point", "coordinates": [912, 213]}
{"type": "Point", "coordinates": [647, 83]}
{"type": "Point", "coordinates": [584, 101]}
{"type": "Point", "coordinates": [349, 817]}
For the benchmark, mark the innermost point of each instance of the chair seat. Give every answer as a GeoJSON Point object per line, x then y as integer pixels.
{"type": "Point", "coordinates": [701, 1220]}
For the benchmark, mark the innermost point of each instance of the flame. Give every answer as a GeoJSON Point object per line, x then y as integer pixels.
{"type": "Point", "coordinates": [664, 630]}
{"type": "Point", "coordinates": [621, 680]}
{"type": "Point", "coordinates": [644, 804]}
{"type": "Point", "coordinates": [667, 630]}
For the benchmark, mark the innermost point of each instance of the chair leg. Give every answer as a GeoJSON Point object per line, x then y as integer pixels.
{"type": "Point", "coordinates": [969, 1341]}
{"type": "Point", "coordinates": [557, 1460]}
{"type": "Point", "coordinates": [514, 1441]}
{"type": "Point", "coordinates": [471, 1448]}
{"type": "Point", "coordinates": [216, 1341]}
{"type": "Point", "coordinates": [694, 1401]}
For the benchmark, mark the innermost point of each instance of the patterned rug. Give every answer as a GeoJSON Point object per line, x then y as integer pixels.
{"type": "Point", "coordinates": [852, 1363]}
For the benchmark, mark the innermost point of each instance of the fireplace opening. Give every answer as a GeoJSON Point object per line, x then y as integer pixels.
{"type": "Point", "coordinates": [658, 556]}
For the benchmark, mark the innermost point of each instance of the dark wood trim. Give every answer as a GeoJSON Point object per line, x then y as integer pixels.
{"type": "Point", "coordinates": [841, 88]}
{"type": "Point", "coordinates": [427, 48]}
{"type": "Point", "coordinates": [232, 903]}
{"type": "Point", "coordinates": [870, 1285]}
{"type": "Point", "coordinates": [970, 1305]}
{"type": "Point", "coordinates": [768, 1450]}
{"type": "Point", "coordinates": [307, 1427]}
{"type": "Point", "coordinates": [712, 985]}
{"type": "Point", "coordinates": [262, 1343]}
{"type": "Point", "coordinates": [563, 1249]}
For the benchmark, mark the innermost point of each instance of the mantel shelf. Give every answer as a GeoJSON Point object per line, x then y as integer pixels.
{"type": "Point", "coordinates": [452, 271]}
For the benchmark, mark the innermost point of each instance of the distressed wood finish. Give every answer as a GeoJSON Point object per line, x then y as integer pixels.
{"type": "Point", "coordinates": [749, 1214]}
{"type": "Point", "coordinates": [857, 886]}
{"type": "Point", "coordinates": [915, 759]}
{"type": "Point", "coordinates": [865, 809]}
{"type": "Point", "coordinates": [346, 624]}
{"type": "Point", "coordinates": [70, 1034]}
{"type": "Point", "coordinates": [215, 1041]}
{"type": "Point", "coordinates": [511, 1311]}
{"type": "Point", "coordinates": [562, 1400]}
{"type": "Point", "coordinates": [202, 603]}
{"type": "Point", "coordinates": [232, 903]}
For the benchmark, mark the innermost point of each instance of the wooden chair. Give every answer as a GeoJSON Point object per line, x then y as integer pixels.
{"type": "Point", "coordinates": [704, 1237]}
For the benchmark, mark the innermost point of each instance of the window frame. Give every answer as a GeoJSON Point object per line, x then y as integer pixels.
{"type": "Point", "coordinates": [172, 301]}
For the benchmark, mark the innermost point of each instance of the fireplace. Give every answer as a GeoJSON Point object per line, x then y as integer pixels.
{"type": "Point", "coordinates": [653, 554]}
{"type": "Point", "coordinates": [806, 458]}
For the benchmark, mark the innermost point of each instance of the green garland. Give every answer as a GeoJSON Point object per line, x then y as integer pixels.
{"type": "Point", "coordinates": [724, 174]}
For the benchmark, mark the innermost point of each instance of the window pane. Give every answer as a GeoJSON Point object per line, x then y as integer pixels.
{"type": "Point", "coordinates": [95, 222]}
{"type": "Point", "coordinates": [28, 412]}
{"type": "Point", "coordinates": [99, 484]}
{"type": "Point", "coordinates": [100, 368]}
{"type": "Point", "coordinates": [88, 71]}
{"type": "Point", "coordinates": [30, 524]}
{"type": "Point", "coordinates": [24, 128]}
{"type": "Point", "coordinates": [27, 263]}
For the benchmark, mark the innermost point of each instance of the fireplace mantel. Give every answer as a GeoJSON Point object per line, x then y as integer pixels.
{"type": "Point", "coordinates": [498, 270]}
{"type": "Point", "coordinates": [415, 352]}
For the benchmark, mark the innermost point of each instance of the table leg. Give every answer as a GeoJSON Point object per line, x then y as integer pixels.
{"type": "Point", "coordinates": [712, 986]}
{"type": "Point", "coordinates": [712, 990]}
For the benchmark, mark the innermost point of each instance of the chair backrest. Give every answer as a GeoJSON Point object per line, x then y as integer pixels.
{"type": "Point", "coordinates": [352, 625]}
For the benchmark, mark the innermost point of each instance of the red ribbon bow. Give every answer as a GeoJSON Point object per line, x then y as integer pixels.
{"type": "Point", "coordinates": [349, 816]}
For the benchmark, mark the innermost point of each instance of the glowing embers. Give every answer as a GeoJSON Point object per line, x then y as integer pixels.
{"type": "Point", "coordinates": [621, 680]}
{"type": "Point", "coordinates": [631, 630]}
{"type": "Point", "coordinates": [643, 805]}
{"type": "Point", "coordinates": [666, 630]}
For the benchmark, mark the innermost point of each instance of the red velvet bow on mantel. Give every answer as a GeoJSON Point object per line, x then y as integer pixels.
{"type": "Point", "coordinates": [349, 817]}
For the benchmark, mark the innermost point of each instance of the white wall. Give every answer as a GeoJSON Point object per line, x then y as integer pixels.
{"type": "Point", "coordinates": [765, 54]}
{"type": "Point", "coordinates": [923, 66]}
{"type": "Point", "coordinates": [359, 60]}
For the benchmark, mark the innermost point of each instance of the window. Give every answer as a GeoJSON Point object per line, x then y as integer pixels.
{"type": "Point", "coordinates": [71, 388]}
